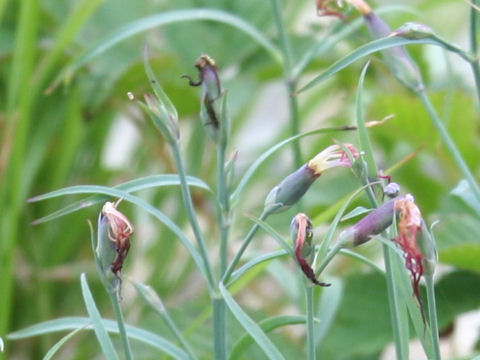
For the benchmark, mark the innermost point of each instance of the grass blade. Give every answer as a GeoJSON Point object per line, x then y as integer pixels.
{"type": "Point", "coordinates": [100, 331]}
{"type": "Point", "coordinates": [72, 323]}
{"type": "Point", "coordinates": [53, 350]}
{"type": "Point", "coordinates": [251, 326]}
{"type": "Point", "coordinates": [266, 325]}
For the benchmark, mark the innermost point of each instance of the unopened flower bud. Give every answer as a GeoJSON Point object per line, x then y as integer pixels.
{"type": "Point", "coordinates": [414, 31]}
{"type": "Point", "coordinates": [302, 235]}
{"type": "Point", "coordinates": [295, 185]}
{"type": "Point", "coordinates": [391, 190]}
{"type": "Point", "coordinates": [371, 225]}
{"type": "Point", "coordinates": [397, 58]}
{"type": "Point", "coordinates": [164, 120]}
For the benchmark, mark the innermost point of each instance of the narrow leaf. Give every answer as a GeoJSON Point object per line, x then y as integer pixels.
{"type": "Point", "coordinates": [53, 350]}
{"type": "Point", "coordinates": [100, 331]}
{"type": "Point", "coordinates": [251, 326]}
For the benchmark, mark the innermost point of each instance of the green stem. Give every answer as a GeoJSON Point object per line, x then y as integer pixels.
{"type": "Point", "coordinates": [224, 216]}
{"type": "Point", "coordinates": [309, 294]}
{"type": "Point", "coordinates": [242, 249]}
{"type": "Point", "coordinates": [448, 141]}
{"type": "Point", "coordinates": [219, 327]}
{"type": "Point", "coordinates": [291, 83]}
{"type": "Point", "coordinates": [192, 217]}
{"type": "Point", "coordinates": [432, 315]}
{"type": "Point", "coordinates": [474, 46]}
{"type": "Point", "coordinates": [330, 255]}
{"type": "Point", "coordinates": [121, 324]}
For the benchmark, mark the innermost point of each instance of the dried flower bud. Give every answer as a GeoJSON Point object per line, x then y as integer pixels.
{"type": "Point", "coordinates": [414, 31]}
{"type": "Point", "coordinates": [213, 96]}
{"type": "Point", "coordinates": [302, 235]}
{"type": "Point", "coordinates": [397, 58]}
{"type": "Point", "coordinates": [295, 185]}
{"type": "Point", "coordinates": [113, 241]}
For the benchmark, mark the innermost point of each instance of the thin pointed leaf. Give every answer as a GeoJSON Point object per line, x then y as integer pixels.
{"type": "Point", "coordinates": [251, 326]}
{"type": "Point", "coordinates": [266, 325]}
{"type": "Point", "coordinates": [359, 210]}
{"type": "Point", "coordinates": [236, 195]}
{"type": "Point", "coordinates": [362, 51]}
{"type": "Point", "coordinates": [166, 18]}
{"type": "Point", "coordinates": [100, 331]}
{"type": "Point", "coordinates": [71, 323]}
{"type": "Point", "coordinates": [53, 350]}
{"type": "Point", "coordinates": [254, 262]}
{"type": "Point", "coordinates": [328, 308]}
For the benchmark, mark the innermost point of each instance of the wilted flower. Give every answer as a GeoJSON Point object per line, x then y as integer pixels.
{"type": "Point", "coordinates": [302, 235]}
{"type": "Point", "coordinates": [212, 98]}
{"type": "Point", "coordinates": [329, 8]}
{"type": "Point", "coordinates": [113, 241]}
{"type": "Point", "coordinates": [295, 185]}
{"type": "Point", "coordinates": [409, 225]}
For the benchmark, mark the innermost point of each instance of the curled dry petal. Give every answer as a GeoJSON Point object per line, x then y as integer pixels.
{"type": "Point", "coordinates": [302, 225]}
{"type": "Point", "coordinates": [332, 156]}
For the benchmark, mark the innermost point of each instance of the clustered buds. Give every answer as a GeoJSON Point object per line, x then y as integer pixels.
{"type": "Point", "coordinates": [302, 235]}
{"type": "Point", "coordinates": [295, 185]}
{"type": "Point", "coordinates": [211, 111]}
{"type": "Point", "coordinates": [113, 244]}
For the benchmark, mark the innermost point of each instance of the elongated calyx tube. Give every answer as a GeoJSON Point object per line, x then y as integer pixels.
{"type": "Point", "coordinates": [294, 186]}
{"type": "Point", "coordinates": [302, 236]}
{"type": "Point", "coordinates": [211, 111]}
{"type": "Point", "coordinates": [397, 58]}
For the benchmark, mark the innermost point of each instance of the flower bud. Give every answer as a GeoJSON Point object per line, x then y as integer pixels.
{"type": "Point", "coordinates": [414, 31]}
{"type": "Point", "coordinates": [391, 190]}
{"type": "Point", "coordinates": [371, 225]}
{"type": "Point", "coordinates": [295, 185]}
{"type": "Point", "coordinates": [163, 120]}
{"type": "Point", "coordinates": [302, 235]}
{"type": "Point", "coordinates": [397, 58]}
{"type": "Point", "coordinates": [211, 111]}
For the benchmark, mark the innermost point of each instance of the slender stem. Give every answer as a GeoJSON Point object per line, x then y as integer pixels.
{"type": "Point", "coordinates": [330, 255]}
{"type": "Point", "coordinates": [432, 315]}
{"type": "Point", "coordinates": [121, 324]}
{"type": "Point", "coordinates": [457, 156]}
{"type": "Point", "coordinates": [309, 294]}
{"type": "Point", "coordinates": [224, 216]}
{"type": "Point", "coordinates": [192, 217]}
{"type": "Point", "coordinates": [219, 328]}
{"type": "Point", "coordinates": [291, 83]}
{"type": "Point", "coordinates": [242, 249]}
{"type": "Point", "coordinates": [474, 46]}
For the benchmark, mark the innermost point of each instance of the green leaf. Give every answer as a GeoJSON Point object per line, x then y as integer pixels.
{"type": "Point", "coordinates": [359, 210]}
{"type": "Point", "coordinates": [166, 18]}
{"type": "Point", "coordinates": [53, 350]}
{"type": "Point", "coordinates": [96, 319]}
{"type": "Point", "coordinates": [464, 192]}
{"type": "Point", "coordinates": [236, 195]}
{"type": "Point", "coordinates": [142, 183]}
{"type": "Point", "coordinates": [72, 323]}
{"type": "Point", "coordinates": [362, 51]}
{"type": "Point", "coordinates": [328, 308]}
{"type": "Point", "coordinates": [266, 325]}
{"type": "Point", "coordinates": [251, 326]}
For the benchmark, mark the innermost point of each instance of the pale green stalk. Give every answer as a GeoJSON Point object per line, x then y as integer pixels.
{"type": "Point", "coordinates": [192, 216]}
{"type": "Point", "coordinates": [448, 141]}
{"type": "Point", "coordinates": [121, 324]}
{"type": "Point", "coordinates": [219, 327]}
{"type": "Point", "coordinates": [309, 294]}
{"type": "Point", "coordinates": [224, 216]}
{"type": "Point", "coordinates": [291, 83]}
{"type": "Point", "coordinates": [432, 314]}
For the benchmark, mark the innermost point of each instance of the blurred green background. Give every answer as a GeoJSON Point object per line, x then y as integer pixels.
{"type": "Point", "coordinates": [88, 132]}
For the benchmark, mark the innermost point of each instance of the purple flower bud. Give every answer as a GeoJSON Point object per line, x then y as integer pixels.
{"type": "Point", "coordinates": [391, 190]}
{"type": "Point", "coordinates": [397, 58]}
{"type": "Point", "coordinates": [295, 185]}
